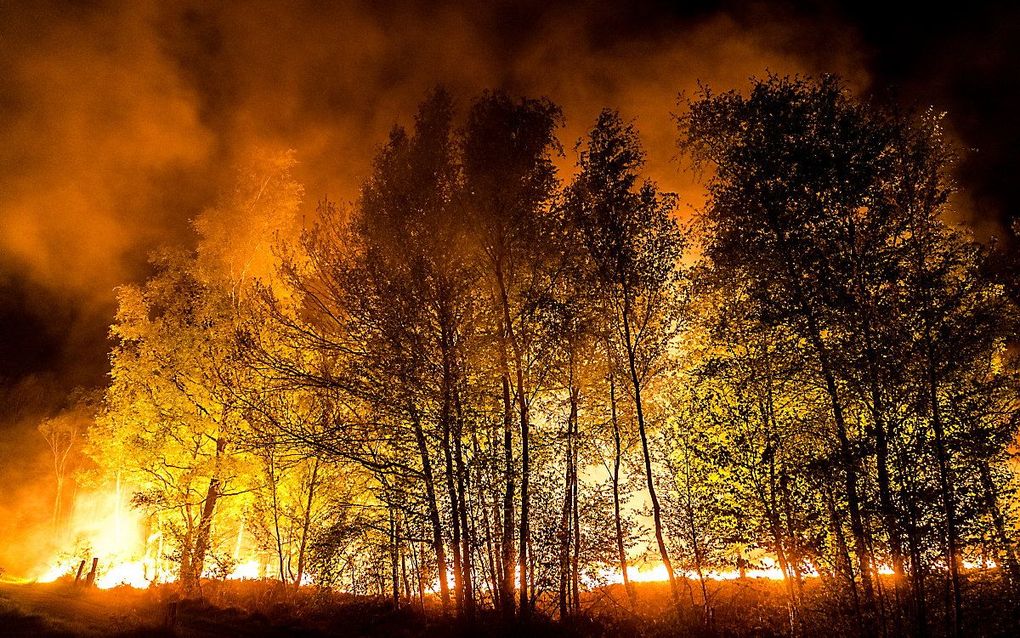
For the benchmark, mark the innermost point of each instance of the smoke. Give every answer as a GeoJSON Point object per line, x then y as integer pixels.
{"type": "Point", "coordinates": [95, 122]}
{"type": "Point", "coordinates": [121, 122]}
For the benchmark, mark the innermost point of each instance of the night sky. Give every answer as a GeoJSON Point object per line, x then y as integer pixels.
{"type": "Point", "coordinates": [119, 122]}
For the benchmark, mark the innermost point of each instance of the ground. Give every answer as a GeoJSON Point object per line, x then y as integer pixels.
{"type": "Point", "coordinates": [257, 609]}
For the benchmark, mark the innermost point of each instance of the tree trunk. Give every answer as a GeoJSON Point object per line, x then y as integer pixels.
{"type": "Point", "coordinates": [621, 550]}
{"type": "Point", "coordinates": [57, 502]}
{"type": "Point", "coordinates": [565, 512]}
{"type": "Point", "coordinates": [777, 492]}
{"type": "Point", "coordinates": [204, 531]}
{"type": "Point", "coordinates": [915, 548]}
{"type": "Point", "coordinates": [445, 422]}
{"type": "Point", "coordinates": [274, 495]}
{"type": "Point", "coordinates": [525, 536]}
{"type": "Point", "coordinates": [842, 551]}
{"type": "Point", "coordinates": [948, 505]}
{"type": "Point", "coordinates": [846, 451]}
{"type": "Point", "coordinates": [203, 534]}
{"type": "Point", "coordinates": [1006, 550]}
{"type": "Point", "coordinates": [430, 496]}
{"type": "Point", "coordinates": [509, 557]}
{"type": "Point", "coordinates": [863, 554]}
{"type": "Point", "coordinates": [494, 579]}
{"type": "Point", "coordinates": [522, 405]}
{"type": "Point", "coordinates": [883, 433]}
{"type": "Point", "coordinates": [575, 561]}
{"type": "Point", "coordinates": [462, 508]}
{"type": "Point", "coordinates": [692, 527]}
{"type": "Point", "coordinates": [649, 477]}
{"type": "Point", "coordinates": [507, 338]}
{"type": "Point", "coordinates": [795, 555]}
{"type": "Point", "coordinates": [771, 507]}
{"type": "Point", "coordinates": [306, 523]}
{"type": "Point", "coordinates": [394, 558]}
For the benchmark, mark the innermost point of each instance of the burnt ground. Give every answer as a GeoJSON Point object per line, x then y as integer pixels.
{"type": "Point", "coordinates": [257, 609]}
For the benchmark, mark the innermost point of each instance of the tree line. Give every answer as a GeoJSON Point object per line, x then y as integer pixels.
{"type": "Point", "coordinates": [497, 385]}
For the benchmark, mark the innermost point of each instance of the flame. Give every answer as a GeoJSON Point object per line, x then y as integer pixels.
{"type": "Point", "coordinates": [248, 570]}
{"type": "Point", "coordinates": [645, 575]}
{"type": "Point", "coordinates": [141, 573]}
{"type": "Point", "coordinates": [56, 571]}
{"type": "Point", "coordinates": [105, 529]}
{"type": "Point", "coordinates": [767, 568]}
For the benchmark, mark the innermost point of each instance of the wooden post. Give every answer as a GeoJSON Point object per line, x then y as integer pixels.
{"type": "Point", "coordinates": [81, 568]}
{"type": "Point", "coordinates": [91, 580]}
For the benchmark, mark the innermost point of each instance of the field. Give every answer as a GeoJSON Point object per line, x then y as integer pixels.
{"type": "Point", "coordinates": [750, 607]}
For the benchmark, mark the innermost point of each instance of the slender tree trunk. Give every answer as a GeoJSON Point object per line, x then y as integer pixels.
{"type": "Point", "coordinates": [890, 515]}
{"type": "Point", "coordinates": [493, 578]}
{"type": "Point", "coordinates": [948, 505]}
{"type": "Point", "coordinates": [777, 486]}
{"type": "Point", "coordinates": [771, 507]}
{"type": "Point", "coordinates": [569, 527]}
{"type": "Point", "coordinates": [565, 512]}
{"type": "Point", "coordinates": [404, 579]}
{"type": "Point", "coordinates": [433, 505]}
{"type": "Point", "coordinates": [507, 338]}
{"type": "Point", "coordinates": [525, 535]}
{"type": "Point", "coordinates": [1009, 558]}
{"type": "Point", "coordinates": [687, 494]}
{"type": "Point", "coordinates": [274, 496]}
{"type": "Point", "coordinates": [861, 550]}
{"type": "Point", "coordinates": [575, 561]}
{"type": "Point", "coordinates": [417, 563]}
{"type": "Point", "coordinates": [846, 450]}
{"type": "Point", "coordinates": [509, 557]}
{"type": "Point", "coordinates": [306, 523]}
{"type": "Point", "coordinates": [462, 506]}
{"type": "Point", "coordinates": [204, 531]}
{"type": "Point", "coordinates": [621, 550]}
{"type": "Point", "coordinates": [915, 549]}
{"type": "Point", "coordinates": [57, 502]}
{"type": "Point", "coordinates": [516, 346]}
{"type": "Point", "coordinates": [187, 576]}
{"type": "Point", "coordinates": [649, 476]}
{"type": "Point", "coordinates": [795, 555]}
{"type": "Point", "coordinates": [394, 557]}
{"type": "Point", "coordinates": [61, 449]}
{"type": "Point", "coordinates": [451, 490]}
{"type": "Point", "coordinates": [842, 551]}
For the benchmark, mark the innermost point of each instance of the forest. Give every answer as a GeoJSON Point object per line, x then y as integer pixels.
{"type": "Point", "coordinates": [515, 379]}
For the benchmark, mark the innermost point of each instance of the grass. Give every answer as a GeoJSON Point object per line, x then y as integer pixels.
{"type": "Point", "coordinates": [257, 609]}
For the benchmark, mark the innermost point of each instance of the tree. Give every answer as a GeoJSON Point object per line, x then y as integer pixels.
{"type": "Point", "coordinates": [635, 246]}
{"type": "Point", "coordinates": [62, 433]}
{"type": "Point", "coordinates": [508, 181]}
{"type": "Point", "coordinates": [176, 380]}
{"type": "Point", "coordinates": [795, 169]}
{"type": "Point", "coordinates": [828, 216]}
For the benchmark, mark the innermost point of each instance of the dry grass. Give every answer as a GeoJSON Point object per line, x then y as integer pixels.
{"type": "Point", "coordinates": [258, 609]}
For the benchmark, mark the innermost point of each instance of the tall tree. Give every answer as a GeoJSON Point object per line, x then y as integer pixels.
{"type": "Point", "coordinates": [509, 182]}
{"type": "Point", "coordinates": [635, 247]}
{"type": "Point", "coordinates": [795, 166]}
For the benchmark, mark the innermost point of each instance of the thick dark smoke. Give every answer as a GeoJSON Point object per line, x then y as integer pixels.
{"type": "Point", "coordinates": [120, 122]}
